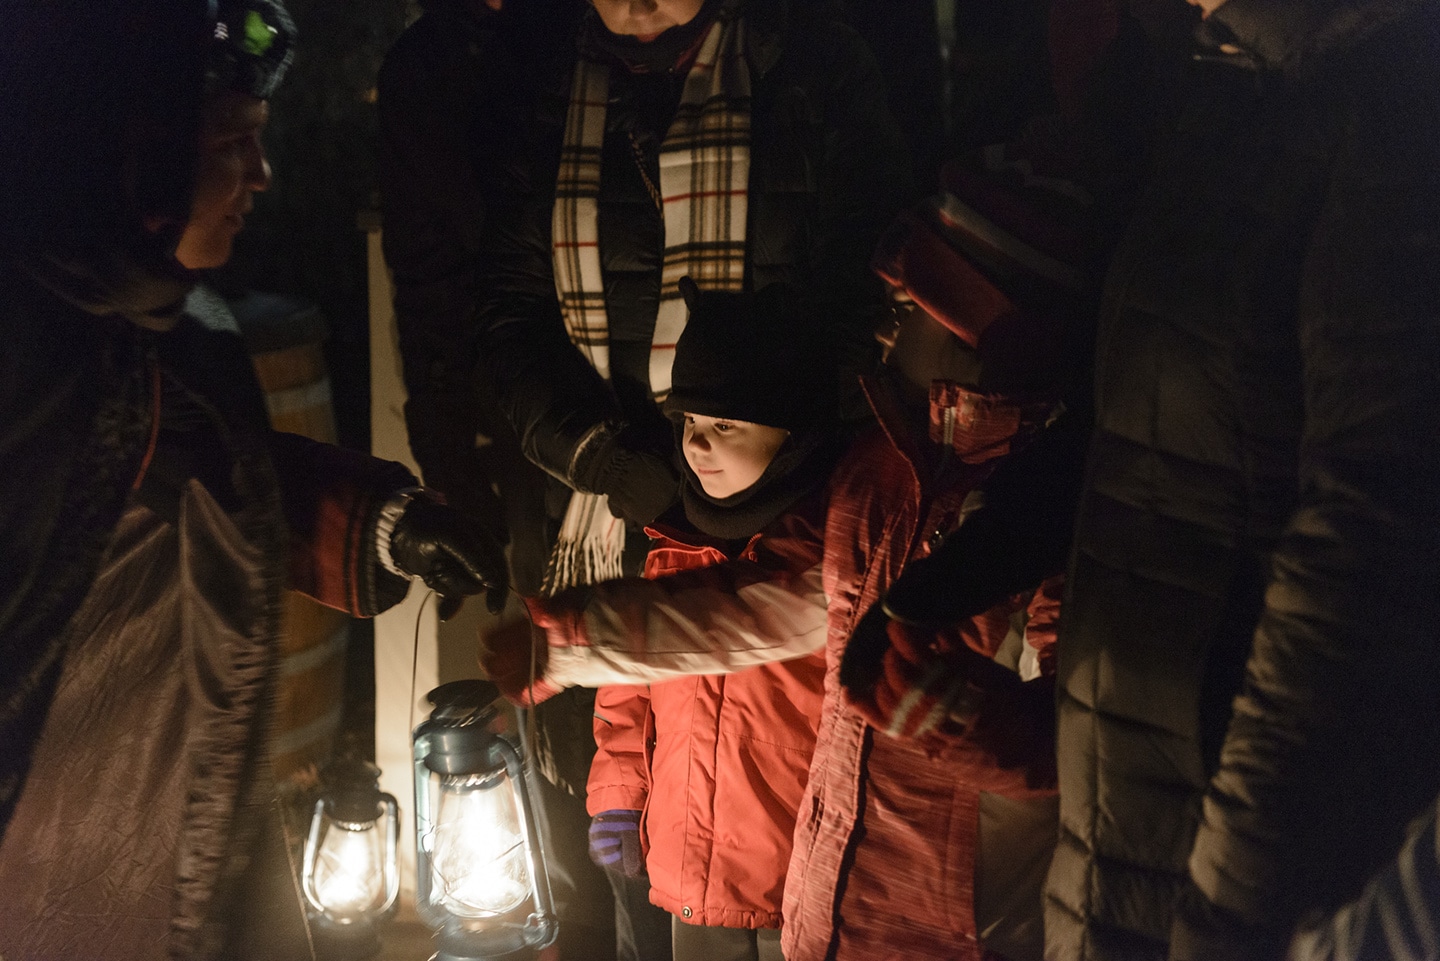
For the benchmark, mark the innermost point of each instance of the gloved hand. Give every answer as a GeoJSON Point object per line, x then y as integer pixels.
{"type": "Point", "coordinates": [615, 842]}
{"type": "Point", "coordinates": [909, 682]}
{"type": "Point", "coordinates": [863, 659]}
{"type": "Point", "coordinates": [444, 425]}
{"type": "Point", "coordinates": [1018, 538]}
{"type": "Point", "coordinates": [506, 659]}
{"type": "Point", "coordinates": [1017, 728]}
{"type": "Point", "coordinates": [452, 553]}
{"type": "Point", "coordinates": [639, 482]}
{"type": "Point", "coordinates": [644, 487]}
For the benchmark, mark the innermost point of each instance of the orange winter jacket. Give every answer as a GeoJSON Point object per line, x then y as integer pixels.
{"type": "Point", "coordinates": [717, 762]}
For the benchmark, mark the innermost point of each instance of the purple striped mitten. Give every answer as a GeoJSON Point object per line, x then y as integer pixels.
{"type": "Point", "coordinates": [615, 842]}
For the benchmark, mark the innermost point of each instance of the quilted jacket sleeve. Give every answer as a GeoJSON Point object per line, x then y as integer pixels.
{"type": "Point", "coordinates": [1329, 752]}
{"type": "Point", "coordinates": [620, 772]}
{"type": "Point", "coordinates": [443, 104]}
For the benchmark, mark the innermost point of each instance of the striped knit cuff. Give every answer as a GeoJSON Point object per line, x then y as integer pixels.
{"type": "Point", "coordinates": [938, 698]}
{"type": "Point", "coordinates": [539, 692]}
{"type": "Point", "coordinates": [390, 515]}
{"type": "Point", "coordinates": [913, 700]}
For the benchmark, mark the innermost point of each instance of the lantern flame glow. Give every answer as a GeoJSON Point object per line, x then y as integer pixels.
{"type": "Point", "coordinates": [479, 864]}
{"type": "Point", "coordinates": [349, 869]}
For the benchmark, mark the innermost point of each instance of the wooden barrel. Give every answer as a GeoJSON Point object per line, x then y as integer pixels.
{"type": "Point", "coordinates": [285, 341]}
{"type": "Point", "coordinates": [311, 694]}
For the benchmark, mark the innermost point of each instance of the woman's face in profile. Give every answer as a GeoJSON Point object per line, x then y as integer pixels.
{"type": "Point", "coordinates": [645, 19]}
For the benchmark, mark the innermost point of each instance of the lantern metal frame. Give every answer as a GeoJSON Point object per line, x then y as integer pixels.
{"type": "Point", "coordinates": [351, 801]}
{"type": "Point", "coordinates": [458, 754]}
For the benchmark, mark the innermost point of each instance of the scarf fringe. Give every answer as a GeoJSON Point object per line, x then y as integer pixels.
{"type": "Point", "coordinates": [590, 548]}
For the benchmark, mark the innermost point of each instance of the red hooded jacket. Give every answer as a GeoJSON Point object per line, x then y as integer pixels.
{"type": "Point", "coordinates": [717, 762]}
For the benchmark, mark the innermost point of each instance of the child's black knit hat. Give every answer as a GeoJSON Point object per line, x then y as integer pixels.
{"type": "Point", "coordinates": [757, 357]}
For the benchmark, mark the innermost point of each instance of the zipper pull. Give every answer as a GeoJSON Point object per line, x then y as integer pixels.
{"type": "Point", "coordinates": [947, 437]}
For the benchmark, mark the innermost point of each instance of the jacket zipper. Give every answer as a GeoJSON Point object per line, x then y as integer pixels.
{"type": "Point", "coordinates": [948, 419]}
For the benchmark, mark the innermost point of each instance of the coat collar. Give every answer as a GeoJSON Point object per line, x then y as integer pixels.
{"type": "Point", "coordinates": [765, 25]}
{"type": "Point", "coordinates": [132, 276]}
{"type": "Point", "coordinates": [1284, 34]}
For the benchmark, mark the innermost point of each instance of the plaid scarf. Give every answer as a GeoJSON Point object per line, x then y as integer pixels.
{"type": "Point", "coordinates": [702, 195]}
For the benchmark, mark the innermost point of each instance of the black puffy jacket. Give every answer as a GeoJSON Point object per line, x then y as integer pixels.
{"type": "Point", "coordinates": [828, 171]}
{"type": "Point", "coordinates": [1259, 515]}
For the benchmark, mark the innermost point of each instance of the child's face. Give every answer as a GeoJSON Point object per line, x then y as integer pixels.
{"type": "Point", "coordinates": [729, 455]}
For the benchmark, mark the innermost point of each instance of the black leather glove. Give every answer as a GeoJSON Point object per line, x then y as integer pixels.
{"type": "Point", "coordinates": [452, 553]}
{"type": "Point", "coordinates": [443, 430]}
{"type": "Point", "coordinates": [640, 483]}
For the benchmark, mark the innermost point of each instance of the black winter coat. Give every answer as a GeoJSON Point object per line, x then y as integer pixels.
{"type": "Point", "coordinates": [452, 91]}
{"type": "Point", "coordinates": [828, 171]}
{"type": "Point", "coordinates": [1259, 515]}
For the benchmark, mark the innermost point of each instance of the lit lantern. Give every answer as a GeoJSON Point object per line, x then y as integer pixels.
{"type": "Point", "coordinates": [482, 884]}
{"type": "Point", "coordinates": [350, 874]}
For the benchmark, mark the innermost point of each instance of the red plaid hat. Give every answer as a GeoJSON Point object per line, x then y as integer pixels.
{"type": "Point", "coordinates": [979, 251]}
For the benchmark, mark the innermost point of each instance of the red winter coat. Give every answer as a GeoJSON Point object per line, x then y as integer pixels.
{"type": "Point", "coordinates": [720, 838]}
{"type": "Point", "coordinates": [717, 762]}
{"type": "Point", "coordinates": [883, 866]}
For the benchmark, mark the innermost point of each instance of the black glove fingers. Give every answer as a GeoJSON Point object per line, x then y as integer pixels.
{"type": "Point", "coordinates": [460, 566]}
{"type": "Point", "coordinates": [449, 551]}
{"type": "Point", "coordinates": [863, 658]}
{"type": "Point", "coordinates": [449, 606]}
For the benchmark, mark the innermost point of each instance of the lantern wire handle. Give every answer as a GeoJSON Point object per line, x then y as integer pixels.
{"type": "Point", "coordinates": [415, 656]}
{"type": "Point", "coordinates": [529, 725]}
{"type": "Point", "coordinates": [534, 670]}
{"type": "Point", "coordinates": [528, 732]}
{"type": "Point", "coordinates": [295, 882]}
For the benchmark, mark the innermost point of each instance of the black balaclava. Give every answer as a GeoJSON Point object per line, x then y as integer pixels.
{"type": "Point", "coordinates": [102, 102]}
{"type": "Point", "coordinates": [759, 358]}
